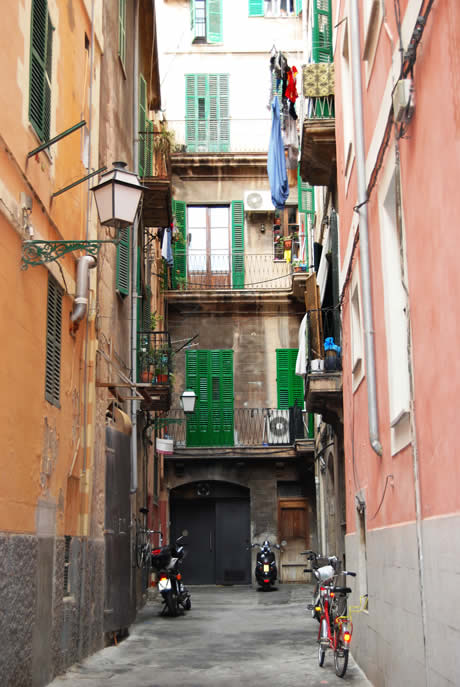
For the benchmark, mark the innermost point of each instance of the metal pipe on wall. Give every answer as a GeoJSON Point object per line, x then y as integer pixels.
{"type": "Point", "coordinates": [374, 437]}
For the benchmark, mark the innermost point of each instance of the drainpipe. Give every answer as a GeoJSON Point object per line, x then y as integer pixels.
{"type": "Point", "coordinates": [363, 229]}
{"type": "Point", "coordinates": [134, 404]}
{"type": "Point", "coordinates": [85, 263]}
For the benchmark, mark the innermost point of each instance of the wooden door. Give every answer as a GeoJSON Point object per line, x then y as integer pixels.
{"type": "Point", "coordinates": [293, 527]}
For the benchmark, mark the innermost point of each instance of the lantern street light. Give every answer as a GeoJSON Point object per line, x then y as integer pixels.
{"type": "Point", "coordinates": [117, 196]}
{"type": "Point", "coordinates": [188, 400]}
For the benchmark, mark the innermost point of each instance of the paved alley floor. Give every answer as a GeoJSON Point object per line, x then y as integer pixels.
{"type": "Point", "coordinates": [231, 636]}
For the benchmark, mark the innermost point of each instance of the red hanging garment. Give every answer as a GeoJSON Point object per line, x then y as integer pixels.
{"type": "Point", "coordinates": [291, 89]}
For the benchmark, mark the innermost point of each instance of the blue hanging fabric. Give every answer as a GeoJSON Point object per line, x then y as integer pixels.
{"type": "Point", "coordinates": [276, 162]}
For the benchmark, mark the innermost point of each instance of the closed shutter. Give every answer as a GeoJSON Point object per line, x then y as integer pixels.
{"type": "Point", "coordinates": [122, 30]}
{"type": "Point", "coordinates": [214, 21]}
{"type": "Point", "coordinates": [224, 114]}
{"type": "Point", "coordinates": [210, 375]}
{"type": "Point", "coordinates": [306, 203]}
{"type": "Point", "coordinates": [142, 125]}
{"type": "Point", "coordinates": [207, 124]}
{"type": "Point", "coordinates": [40, 69]}
{"type": "Point", "coordinates": [179, 250]}
{"type": "Point", "coordinates": [322, 31]}
{"type": "Point", "coordinates": [237, 244]}
{"type": "Point", "coordinates": [148, 167]}
{"type": "Point", "coordinates": [289, 385]}
{"type": "Point", "coordinates": [256, 8]}
{"type": "Point", "coordinates": [122, 273]}
{"type": "Point", "coordinates": [53, 342]}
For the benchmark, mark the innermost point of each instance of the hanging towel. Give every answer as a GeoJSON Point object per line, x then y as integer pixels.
{"type": "Point", "coordinates": [276, 163]}
{"type": "Point", "coordinates": [166, 251]}
{"type": "Point", "coordinates": [301, 362]}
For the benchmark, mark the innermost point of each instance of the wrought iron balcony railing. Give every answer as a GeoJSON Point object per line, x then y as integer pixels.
{"type": "Point", "coordinates": [226, 270]}
{"type": "Point", "coordinates": [154, 357]}
{"type": "Point", "coordinates": [229, 135]}
{"type": "Point", "coordinates": [240, 427]}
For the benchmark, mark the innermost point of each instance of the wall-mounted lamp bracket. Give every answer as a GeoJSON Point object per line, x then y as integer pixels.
{"type": "Point", "coordinates": [41, 252]}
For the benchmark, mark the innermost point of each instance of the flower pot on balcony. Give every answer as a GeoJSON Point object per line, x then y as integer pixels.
{"type": "Point", "coordinates": [147, 376]}
{"type": "Point", "coordinates": [161, 379]}
{"type": "Point", "coordinates": [287, 244]}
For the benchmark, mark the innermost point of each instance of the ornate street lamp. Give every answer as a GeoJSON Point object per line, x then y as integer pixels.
{"type": "Point", "coordinates": [187, 401]}
{"type": "Point", "coordinates": [117, 196]}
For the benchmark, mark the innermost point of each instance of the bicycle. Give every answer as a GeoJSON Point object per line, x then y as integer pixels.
{"type": "Point", "coordinates": [143, 546]}
{"type": "Point", "coordinates": [335, 627]}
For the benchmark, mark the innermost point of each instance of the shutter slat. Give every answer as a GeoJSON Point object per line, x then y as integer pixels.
{"type": "Point", "coordinates": [214, 21]}
{"type": "Point", "coordinates": [53, 343]}
{"type": "Point", "coordinates": [123, 255]}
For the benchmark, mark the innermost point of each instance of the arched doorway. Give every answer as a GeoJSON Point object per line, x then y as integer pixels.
{"type": "Point", "coordinates": [216, 516]}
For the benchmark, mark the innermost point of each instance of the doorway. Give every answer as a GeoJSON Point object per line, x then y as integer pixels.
{"type": "Point", "coordinates": [293, 528]}
{"type": "Point", "coordinates": [216, 517]}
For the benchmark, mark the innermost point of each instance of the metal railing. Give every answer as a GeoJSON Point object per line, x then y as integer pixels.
{"type": "Point", "coordinates": [154, 357]}
{"type": "Point", "coordinates": [229, 135]}
{"type": "Point", "coordinates": [324, 349]}
{"type": "Point", "coordinates": [262, 427]}
{"type": "Point", "coordinates": [226, 270]}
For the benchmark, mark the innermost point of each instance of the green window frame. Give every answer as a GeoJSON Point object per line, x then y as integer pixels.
{"type": "Point", "coordinates": [123, 255]}
{"type": "Point", "coordinates": [122, 32]}
{"type": "Point", "coordinates": [142, 106]}
{"type": "Point", "coordinates": [206, 21]}
{"type": "Point", "coordinates": [41, 42]}
{"type": "Point", "coordinates": [290, 387]}
{"type": "Point", "coordinates": [210, 374]}
{"type": "Point", "coordinates": [53, 342]}
{"type": "Point", "coordinates": [322, 49]}
{"type": "Point", "coordinates": [207, 121]}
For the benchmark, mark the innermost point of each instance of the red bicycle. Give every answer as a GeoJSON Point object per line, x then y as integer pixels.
{"type": "Point", "coordinates": [335, 627]}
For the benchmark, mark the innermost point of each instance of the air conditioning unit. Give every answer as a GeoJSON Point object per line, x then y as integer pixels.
{"type": "Point", "coordinates": [258, 201]}
{"type": "Point", "coordinates": [277, 426]}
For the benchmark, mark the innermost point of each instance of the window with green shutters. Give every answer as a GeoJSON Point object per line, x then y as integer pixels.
{"type": "Point", "coordinates": [322, 31]}
{"type": "Point", "coordinates": [210, 375]}
{"type": "Point", "coordinates": [207, 122]}
{"type": "Point", "coordinates": [306, 205]}
{"type": "Point", "coordinates": [122, 31]}
{"type": "Point", "coordinates": [274, 8]}
{"type": "Point", "coordinates": [53, 343]}
{"type": "Point", "coordinates": [40, 69]}
{"type": "Point", "coordinates": [237, 244]}
{"type": "Point", "coordinates": [142, 126]}
{"type": "Point", "coordinates": [122, 272]}
{"type": "Point", "coordinates": [206, 21]}
{"type": "Point", "coordinates": [179, 251]}
{"type": "Point", "coordinates": [290, 387]}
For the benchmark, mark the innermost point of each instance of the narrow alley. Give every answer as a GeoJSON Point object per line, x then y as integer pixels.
{"type": "Point", "coordinates": [232, 635]}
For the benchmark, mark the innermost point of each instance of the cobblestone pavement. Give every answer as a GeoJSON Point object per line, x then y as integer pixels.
{"type": "Point", "coordinates": [231, 636]}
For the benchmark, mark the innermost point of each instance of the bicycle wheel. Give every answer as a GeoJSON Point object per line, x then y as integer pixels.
{"type": "Point", "coordinates": [340, 660]}
{"type": "Point", "coordinates": [140, 548]}
{"type": "Point", "coordinates": [321, 655]}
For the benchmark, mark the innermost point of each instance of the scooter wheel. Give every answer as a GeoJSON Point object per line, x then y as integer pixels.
{"type": "Point", "coordinates": [188, 604]}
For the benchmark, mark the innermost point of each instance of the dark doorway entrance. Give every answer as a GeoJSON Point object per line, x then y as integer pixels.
{"type": "Point", "coordinates": [216, 516]}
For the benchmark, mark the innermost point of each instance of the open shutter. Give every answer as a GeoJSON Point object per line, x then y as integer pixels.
{"type": "Point", "coordinates": [122, 274]}
{"type": "Point", "coordinates": [256, 8]}
{"type": "Point", "coordinates": [237, 244]}
{"type": "Point", "coordinates": [179, 272]}
{"type": "Point", "coordinates": [298, 6]}
{"type": "Point", "coordinates": [190, 112]}
{"type": "Point", "coordinates": [191, 382]}
{"type": "Point", "coordinates": [142, 124]}
{"type": "Point", "coordinates": [40, 69]}
{"type": "Point", "coordinates": [214, 21]}
{"type": "Point", "coordinates": [53, 342]}
{"type": "Point", "coordinates": [289, 385]}
{"type": "Point", "coordinates": [224, 114]}
{"type": "Point", "coordinates": [322, 31]}
{"type": "Point", "coordinates": [192, 18]}
{"type": "Point", "coordinates": [226, 397]}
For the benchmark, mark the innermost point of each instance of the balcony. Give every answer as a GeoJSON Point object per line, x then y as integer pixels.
{"type": "Point", "coordinates": [324, 367]}
{"type": "Point", "coordinates": [318, 152]}
{"type": "Point", "coordinates": [231, 271]}
{"type": "Point", "coordinates": [262, 432]}
{"type": "Point", "coordinates": [155, 172]}
{"type": "Point", "coordinates": [154, 369]}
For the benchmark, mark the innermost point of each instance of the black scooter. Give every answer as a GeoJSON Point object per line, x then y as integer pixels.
{"type": "Point", "coordinates": [266, 571]}
{"type": "Point", "coordinates": [165, 561]}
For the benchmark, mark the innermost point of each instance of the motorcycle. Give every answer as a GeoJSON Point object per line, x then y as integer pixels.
{"type": "Point", "coordinates": [266, 571]}
{"type": "Point", "coordinates": [165, 562]}
{"type": "Point", "coordinates": [324, 569]}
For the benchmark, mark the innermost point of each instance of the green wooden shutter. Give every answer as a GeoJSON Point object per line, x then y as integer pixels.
{"type": "Point", "coordinates": [196, 112]}
{"type": "Point", "coordinates": [237, 244]}
{"type": "Point", "coordinates": [40, 69]}
{"type": "Point", "coordinates": [322, 31]}
{"type": "Point", "coordinates": [214, 21]}
{"type": "Point", "coordinates": [148, 168]}
{"type": "Point", "coordinates": [192, 18]}
{"type": "Point", "coordinates": [224, 114]}
{"type": "Point", "coordinates": [289, 385]}
{"type": "Point", "coordinates": [210, 375]}
{"type": "Point", "coordinates": [256, 8]}
{"type": "Point", "coordinates": [53, 342]}
{"type": "Point", "coordinates": [298, 6]}
{"type": "Point", "coordinates": [142, 124]}
{"type": "Point", "coordinates": [122, 30]}
{"type": "Point", "coordinates": [122, 273]}
{"type": "Point", "coordinates": [179, 250]}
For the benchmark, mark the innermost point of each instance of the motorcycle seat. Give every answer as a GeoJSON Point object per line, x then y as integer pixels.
{"type": "Point", "coordinates": [342, 590]}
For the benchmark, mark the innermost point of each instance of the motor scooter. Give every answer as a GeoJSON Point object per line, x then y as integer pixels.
{"type": "Point", "coordinates": [266, 571]}
{"type": "Point", "coordinates": [165, 562]}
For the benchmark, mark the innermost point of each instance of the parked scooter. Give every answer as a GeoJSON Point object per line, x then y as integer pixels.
{"type": "Point", "coordinates": [165, 561]}
{"type": "Point", "coordinates": [266, 571]}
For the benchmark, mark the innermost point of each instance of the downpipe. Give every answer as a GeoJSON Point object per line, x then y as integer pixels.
{"type": "Point", "coordinates": [85, 263]}
{"type": "Point", "coordinates": [374, 437]}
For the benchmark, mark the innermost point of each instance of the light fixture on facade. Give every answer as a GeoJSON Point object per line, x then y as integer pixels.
{"type": "Point", "coordinates": [117, 196]}
{"type": "Point", "coordinates": [188, 400]}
